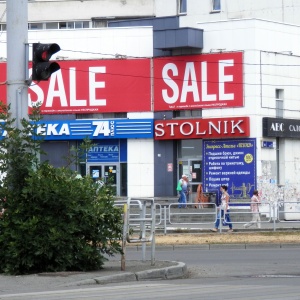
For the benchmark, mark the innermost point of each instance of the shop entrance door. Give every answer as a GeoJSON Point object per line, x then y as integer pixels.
{"type": "Point", "coordinates": [193, 169]}
{"type": "Point", "coordinates": [108, 173]}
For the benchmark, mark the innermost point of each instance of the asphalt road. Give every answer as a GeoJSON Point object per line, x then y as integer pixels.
{"type": "Point", "coordinates": [258, 273]}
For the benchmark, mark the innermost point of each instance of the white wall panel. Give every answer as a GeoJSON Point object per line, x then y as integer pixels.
{"type": "Point", "coordinates": [140, 115]}
{"type": "Point", "coordinates": [93, 43]}
{"type": "Point", "coordinates": [291, 161]}
{"type": "Point", "coordinates": [140, 165]}
{"type": "Point", "coordinates": [234, 35]}
{"type": "Point", "coordinates": [59, 10]}
{"type": "Point", "coordinates": [166, 8]}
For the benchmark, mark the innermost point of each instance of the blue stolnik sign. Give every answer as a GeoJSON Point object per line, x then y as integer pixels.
{"type": "Point", "coordinates": [231, 163]}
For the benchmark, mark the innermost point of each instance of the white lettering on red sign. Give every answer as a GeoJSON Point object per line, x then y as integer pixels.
{"type": "Point", "coordinates": [57, 90]}
{"type": "Point", "coordinates": [201, 129]}
{"type": "Point", "coordinates": [190, 82]}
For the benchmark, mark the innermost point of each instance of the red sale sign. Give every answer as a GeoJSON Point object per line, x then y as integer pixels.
{"type": "Point", "coordinates": [198, 81]}
{"type": "Point", "coordinates": [92, 86]}
{"type": "Point", "coordinates": [100, 86]}
{"type": "Point", "coordinates": [3, 82]}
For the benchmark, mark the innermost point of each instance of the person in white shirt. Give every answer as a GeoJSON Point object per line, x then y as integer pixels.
{"type": "Point", "coordinates": [223, 210]}
{"type": "Point", "coordinates": [254, 206]}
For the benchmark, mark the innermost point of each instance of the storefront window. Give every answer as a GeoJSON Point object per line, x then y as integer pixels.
{"type": "Point", "coordinates": [189, 148]}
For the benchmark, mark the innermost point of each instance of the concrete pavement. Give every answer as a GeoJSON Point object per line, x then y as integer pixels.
{"type": "Point", "coordinates": [136, 270]}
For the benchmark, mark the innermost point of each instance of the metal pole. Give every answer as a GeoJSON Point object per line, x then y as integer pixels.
{"type": "Point", "coordinates": [165, 220]}
{"type": "Point", "coordinates": [17, 41]}
{"type": "Point", "coordinates": [125, 223]}
{"type": "Point", "coordinates": [274, 220]}
{"type": "Point", "coordinates": [143, 230]}
{"type": "Point", "coordinates": [153, 213]}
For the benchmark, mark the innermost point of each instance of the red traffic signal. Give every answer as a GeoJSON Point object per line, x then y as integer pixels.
{"type": "Point", "coordinates": [41, 67]}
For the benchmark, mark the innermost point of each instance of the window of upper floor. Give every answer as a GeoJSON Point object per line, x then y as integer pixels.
{"type": "Point", "coordinates": [182, 6]}
{"type": "Point", "coordinates": [216, 5]}
{"type": "Point", "coordinates": [2, 27]}
{"type": "Point", "coordinates": [187, 113]}
{"type": "Point", "coordinates": [54, 25]}
{"type": "Point", "coordinates": [279, 96]}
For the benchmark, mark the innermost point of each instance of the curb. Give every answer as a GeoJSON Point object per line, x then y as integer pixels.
{"type": "Point", "coordinates": [172, 272]}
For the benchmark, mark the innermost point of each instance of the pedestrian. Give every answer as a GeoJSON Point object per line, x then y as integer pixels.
{"type": "Point", "coordinates": [188, 190]}
{"type": "Point", "coordinates": [255, 200]}
{"type": "Point", "coordinates": [99, 184]}
{"type": "Point", "coordinates": [223, 210]}
{"type": "Point", "coordinates": [182, 188]}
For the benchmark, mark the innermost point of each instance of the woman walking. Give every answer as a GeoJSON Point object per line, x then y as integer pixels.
{"type": "Point", "coordinates": [255, 211]}
{"type": "Point", "coordinates": [224, 210]}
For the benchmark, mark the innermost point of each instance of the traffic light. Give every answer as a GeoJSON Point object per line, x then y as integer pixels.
{"type": "Point", "coordinates": [41, 67]}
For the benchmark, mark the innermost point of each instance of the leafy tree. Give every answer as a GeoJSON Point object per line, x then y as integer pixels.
{"type": "Point", "coordinates": [53, 220]}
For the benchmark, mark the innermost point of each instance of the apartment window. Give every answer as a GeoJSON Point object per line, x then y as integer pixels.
{"type": "Point", "coordinates": [216, 5]}
{"type": "Point", "coordinates": [99, 23]}
{"type": "Point", "coordinates": [279, 95]}
{"type": "Point", "coordinates": [82, 24]}
{"type": "Point", "coordinates": [182, 9]}
{"type": "Point", "coordinates": [66, 25]}
{"type": "Point", "coordinates": [2, 27]}
{"type": "Point", "coordinates": [35, 26]}
{"type": "Point", "coordinates": [52, 25]}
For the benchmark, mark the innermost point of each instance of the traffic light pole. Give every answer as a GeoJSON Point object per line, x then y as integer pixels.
{"type": "Point", "coordinates": [17, 58]}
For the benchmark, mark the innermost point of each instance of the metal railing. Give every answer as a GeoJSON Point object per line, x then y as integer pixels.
{"type": "Point", "coordinates": [168, 217]}
{"type": "Point", "coordinates": [139, 221]}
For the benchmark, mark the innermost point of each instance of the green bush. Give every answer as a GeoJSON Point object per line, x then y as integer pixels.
{"type": "Point", "coordinates": [53, 221]}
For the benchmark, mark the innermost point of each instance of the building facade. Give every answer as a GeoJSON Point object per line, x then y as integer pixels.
{"type": "Point", "coordinates": [217, 84]}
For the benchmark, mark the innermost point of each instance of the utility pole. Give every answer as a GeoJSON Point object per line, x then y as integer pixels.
{"type": "Point", "coordinates": [17, 58]}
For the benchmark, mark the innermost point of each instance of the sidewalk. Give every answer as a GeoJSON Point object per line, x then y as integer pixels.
{"type": "Point", "coordinates": [135, 270]}
{"type": "Point", "coordinates": [237, 226]}
{"type": "Point", "coordinates": [111, 273]}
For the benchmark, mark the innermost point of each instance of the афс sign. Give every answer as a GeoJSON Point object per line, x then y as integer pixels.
{"type": "Point", "coordinates": [286, 128]}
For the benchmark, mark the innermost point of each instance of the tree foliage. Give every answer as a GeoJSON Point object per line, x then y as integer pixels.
{"type": "Point", "coordinates": [53, 220]}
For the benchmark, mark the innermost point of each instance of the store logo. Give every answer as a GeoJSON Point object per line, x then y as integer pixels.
{"type": "Point", "coordinates": [277, 127]}
{"type": "Point", "coordinates": [204, 128]}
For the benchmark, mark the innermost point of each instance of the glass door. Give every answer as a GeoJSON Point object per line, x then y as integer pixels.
{"type": "Point", "coordinates": [110, 175]}
{"type": "Point", "coordinates": [195, 167]}
{"type": "Point", "coordinates": [95, 172]}
{"type": "Point", "coordinates": [106, 173]}
{"type": "Point", "coordinates": [192, 168]}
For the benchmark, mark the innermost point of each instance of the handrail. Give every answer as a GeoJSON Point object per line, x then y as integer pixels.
{"type": "Point", "coordinates": [278, 214]}
{"type": "Point", "coordinates": [143, 221]}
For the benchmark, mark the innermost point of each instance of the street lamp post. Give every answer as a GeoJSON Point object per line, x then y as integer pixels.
{"type": "Point", "coordinates": [17, 59]}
